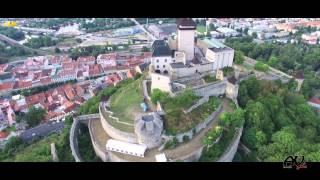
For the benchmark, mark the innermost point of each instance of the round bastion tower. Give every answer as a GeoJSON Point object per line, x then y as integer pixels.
{"type": "Point", "coordinates": [148, 129]}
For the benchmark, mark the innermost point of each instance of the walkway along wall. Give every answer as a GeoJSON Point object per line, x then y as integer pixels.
{"type": "Point", "coordinates": [102, 153]}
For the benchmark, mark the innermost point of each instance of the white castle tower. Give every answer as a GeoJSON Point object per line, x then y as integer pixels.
{"type": "Point", "coordinates": [186, 31]}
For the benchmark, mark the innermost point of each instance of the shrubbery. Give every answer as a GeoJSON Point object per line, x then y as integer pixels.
{"type": "Point", "coordinates": [260, 66]}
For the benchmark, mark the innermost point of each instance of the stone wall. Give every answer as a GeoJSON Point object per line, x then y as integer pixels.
{"type": "Point", "coordinates": [192, 157]}
{"type": "Point", "coordinates": [97, 149]}
{"type": "Point", "coordinates": [161, 82]}
{"type": "Point", "coordinates": [199, 103]}
{"type": "Point", "coordinates": [214, 89]}
{"type": "Point", "coordinates": [228, 155]}
{"type": "Point", "coordinates": [116, 133]}
{"type": "Point", "coordinates": [73, 141]}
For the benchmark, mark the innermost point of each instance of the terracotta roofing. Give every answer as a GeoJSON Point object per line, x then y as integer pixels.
{"type": "Point", "coordinates": [315, 100]}
{"type": "Point", "coordinates": [4, 134]}
{"type": "Point", "coordinates": [186, 24]}
{"type": "Point", "coordinates": [35, 99]}
{"type": "Point", "coordinates": [22, 84]}
{"type": "Point", "coordinates": [94, 69]}
{"type": "Point", "coordinates": [69, 91]}
{"type": "Point", "coordinates": [46, 72]}
{"type": "Point", "coordinates": [45, 80]}
{"type": "Point", "coordinates": [6, 86]}
{"type": "Point", "coordinates": [79, 90]}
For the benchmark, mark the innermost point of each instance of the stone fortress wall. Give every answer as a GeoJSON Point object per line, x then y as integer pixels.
{"type": "Point", "coordinates": [116, 133]}
{"type": "Point", "coordinates": [229, 154]}
{"type": "Point", "coordinates": [103, 154]}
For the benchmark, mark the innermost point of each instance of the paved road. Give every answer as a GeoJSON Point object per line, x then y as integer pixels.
{"type": "Point", "coordinates": [42, 130]}
{"type": "Point", "coordinates": [143, 29]}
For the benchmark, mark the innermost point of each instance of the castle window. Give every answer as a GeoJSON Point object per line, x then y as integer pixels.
{"type": "Point", "coordinates": [158, 78]}
{"type": "Point", "coordinates": [157, 66]}
{"type": "Point", "coordinates": [165, 60]}
{"type": "Point", "coordinates": [157, 60]}
{"type": "Point", "coordinates": [164, 66]}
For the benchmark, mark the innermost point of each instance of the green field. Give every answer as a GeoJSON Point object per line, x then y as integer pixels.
{"type": "Point", "coordinates": [201, 28]}
{"type": "Point", "coordinates": [125, 103]}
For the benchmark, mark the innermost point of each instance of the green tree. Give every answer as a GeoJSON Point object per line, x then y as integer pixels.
{"type": "Point", "coordinates": [273, 61]}
{"type": "Point", "coordinates": [57, 50]}
{"type": "Point", "coordinates": [158, 95]}
{"type": "Point", "coordinates": [34, 116]}
{"type": "Point", "coordinates": [260, 66]}
{"type": "Point", "coordinates": [238, 57]}
{"type": "Point", "coordinates": [254, 35]}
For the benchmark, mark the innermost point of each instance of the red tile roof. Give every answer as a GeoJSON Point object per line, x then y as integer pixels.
{"type": "Point", "coordinates": [4, 134]}
{"type": "Point", "coordinates": [35, 99]}
{"type": "Point", "coordinates": [6, 86]}
{"type": "Point", "coordinates": [79, 90]}
{"type": "Point", "coordinates": [22, 84]}
{"type": "Point", "coordinates": [69, 91]}
{"type": "Point", "coordinates": [46, 72]}
{"type": "Point", "coordinates": [45, 80]}
{"type": "Point", "coordinates": [65, 73]}
{"type": "Point", "coordinates": [69, 65]}
{"type": "Point", "coordinates": [94, 69]}
{"type": "Point", "coordinates": [315, 100]}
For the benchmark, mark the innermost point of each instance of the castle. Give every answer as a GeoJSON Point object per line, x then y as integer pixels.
{"type": "Point", "coordinates": [185, 56]}
{"type": "Point", "coordinates": [175, 63]}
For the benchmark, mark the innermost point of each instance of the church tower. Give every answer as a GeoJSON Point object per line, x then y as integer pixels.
{"type": "Point", "coordinates": [186, 31]}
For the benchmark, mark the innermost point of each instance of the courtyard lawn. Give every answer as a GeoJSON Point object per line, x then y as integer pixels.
{"type": "Point", "coordinates": [125, 103]}
{"type": "Point", "coordinates": [201, 29]}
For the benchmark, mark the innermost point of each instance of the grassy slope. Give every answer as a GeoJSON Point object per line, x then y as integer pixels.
{"type": "Point", "coordinates": [125, 103]}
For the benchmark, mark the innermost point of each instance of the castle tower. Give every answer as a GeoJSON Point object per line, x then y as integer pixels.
{"type": "Point", "coordinates": [186, 31]}
{"type": "Point", "coordinates": [148, 129]}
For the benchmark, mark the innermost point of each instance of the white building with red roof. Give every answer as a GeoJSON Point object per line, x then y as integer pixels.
{"type": "Point", "coordinates": [314, 102]}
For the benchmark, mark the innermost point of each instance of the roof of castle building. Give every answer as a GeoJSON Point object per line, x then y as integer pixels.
{"type": "Point", "coordinates": [186, 24]}
{"type": "Point", "coordinates": [160, 49]}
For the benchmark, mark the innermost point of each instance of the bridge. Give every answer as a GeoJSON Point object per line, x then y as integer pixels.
{"type": "Point", "coordinates": [73, 136]}
{"type": "Point", "coordinates": [13, 42]}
